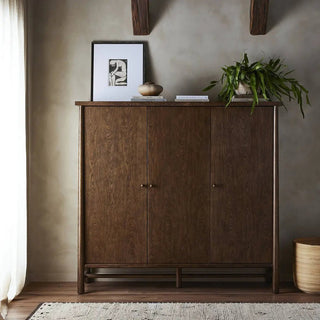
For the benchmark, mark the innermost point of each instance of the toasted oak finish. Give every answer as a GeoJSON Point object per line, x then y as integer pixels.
{"type": "Point", "coordinates": [179, 168]}
{"type": "Point", "coordinates": [177, 185]}
{"type": "Point", "coordinates": [115, 167]}
{"type": "Point", "coordinates": [241, 171]}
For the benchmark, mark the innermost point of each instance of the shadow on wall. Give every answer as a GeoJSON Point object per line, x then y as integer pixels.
{"type": "Point", "coordinates": [279, 10]}
{"type": "Point", "coordinates": [286, 260]}
{"type": "Point", "coordinates": [149, 73]}
{"type": "Point", "coordinates": [157, 9]}
{"type": "Point", "coordinates": [47, 201]}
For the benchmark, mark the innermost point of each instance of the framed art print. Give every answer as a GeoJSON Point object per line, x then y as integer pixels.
{"type": "Point", "coordinates": [117, 70]}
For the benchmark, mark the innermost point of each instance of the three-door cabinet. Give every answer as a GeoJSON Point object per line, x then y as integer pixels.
{"type": "Point", "coordinates": [181, 185]}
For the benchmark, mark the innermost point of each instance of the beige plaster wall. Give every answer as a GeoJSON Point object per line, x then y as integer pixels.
{"type": "Point", "coordinates": [189, 42]}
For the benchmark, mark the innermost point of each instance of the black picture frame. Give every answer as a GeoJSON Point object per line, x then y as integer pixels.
{"type": "Point", "coordinates": [131, 58]}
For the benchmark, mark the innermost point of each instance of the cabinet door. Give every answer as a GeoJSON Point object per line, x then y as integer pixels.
{"type": "Point", "coordinates": [115, 167]}
{"type": "Point", "coordinates": [179, 170]}
{"type": "Point", "coordinates": [242, 172]}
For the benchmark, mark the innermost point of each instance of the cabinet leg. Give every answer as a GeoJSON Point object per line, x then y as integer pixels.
{"type": "Point", "coordinates": [178, 277]}
{"type": "Point", "coordinates": [86, 279]}
{"type": "Point", "coordinates": [80, 280]}
{"type": "Point", "coordinates": [275, 280]}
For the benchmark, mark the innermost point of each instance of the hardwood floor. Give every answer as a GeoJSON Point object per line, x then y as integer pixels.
{"type": "Point", "coordinates": [36, 293]}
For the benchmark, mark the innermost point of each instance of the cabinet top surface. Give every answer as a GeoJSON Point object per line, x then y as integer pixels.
{"type": "Point", "coordinates": [172, 104]}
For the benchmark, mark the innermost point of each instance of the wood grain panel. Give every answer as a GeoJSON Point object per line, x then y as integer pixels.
{"type": "Point", "coordinates": [258, 16]}
{"type": "Point", "coordinates": [242, 172]}
{"type": "Point", "coordinates": [140, 17]}
{"type": "Point", "coordinates": [179, 167]}
{"type": "Point", "coordinates": [115, 167]}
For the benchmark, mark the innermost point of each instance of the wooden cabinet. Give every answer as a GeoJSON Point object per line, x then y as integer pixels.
{"type": "Point", "coordinates": [177, 185]}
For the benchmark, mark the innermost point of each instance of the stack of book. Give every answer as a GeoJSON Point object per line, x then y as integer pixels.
{"type": "Point", "coordinates": [196, 98]}
{"type": "Point", "coordinates": [148, 98]}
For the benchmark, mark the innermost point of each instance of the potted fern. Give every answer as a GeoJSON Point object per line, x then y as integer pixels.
{"type": "Point", "coordinates": [261, 79]}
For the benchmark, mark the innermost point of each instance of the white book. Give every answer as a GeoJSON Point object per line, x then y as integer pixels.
{"type": "Point", "coordinates": [196, 97]}
{"type": "Point", "coordinates": [148, 100]}
{"type": "Point", "coordinates": [191, 100]}
{"type": "Point", "coordinates": [148, 97]}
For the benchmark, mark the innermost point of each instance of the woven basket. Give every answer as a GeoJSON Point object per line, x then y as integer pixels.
{"type": "Point", "coordinates": [306, 268]}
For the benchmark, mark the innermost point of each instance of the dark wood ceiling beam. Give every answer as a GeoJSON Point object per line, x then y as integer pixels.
{"type": "Point", "coordinates": [258, 16]}
{"type": "Point", "coordinates": [140, 17]}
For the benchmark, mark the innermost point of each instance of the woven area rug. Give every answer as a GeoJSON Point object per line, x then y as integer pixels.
{"type": "Point", "coordinates": [179, 311]}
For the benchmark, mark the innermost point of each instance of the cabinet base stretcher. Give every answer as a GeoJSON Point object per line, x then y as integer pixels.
{"type": "Point", "coordinates": [90, 274]}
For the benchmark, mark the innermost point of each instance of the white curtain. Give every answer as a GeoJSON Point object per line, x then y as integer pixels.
{"type": "Point", "coordinates": [13, 213]}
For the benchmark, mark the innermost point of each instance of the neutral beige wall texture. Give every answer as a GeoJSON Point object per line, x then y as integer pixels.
{"type": "Point", "coordinates": [189, 42]}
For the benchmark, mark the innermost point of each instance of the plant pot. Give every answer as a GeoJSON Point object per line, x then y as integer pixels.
{"type": "Point", "coordinates": [150, 89]}
{"type": "Point", "coordinates": [243, 89]}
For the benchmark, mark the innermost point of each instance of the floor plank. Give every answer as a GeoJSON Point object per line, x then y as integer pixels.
{"type": "Point", "coordinates": [36, 293]}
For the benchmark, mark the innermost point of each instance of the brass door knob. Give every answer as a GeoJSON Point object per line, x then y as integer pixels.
{"type": "Point", "coordinates": [213, 186]}
{"type": "Point", "coordinates": [151, 186]}
{"type": "Point", "coordinates": [143, 185]}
